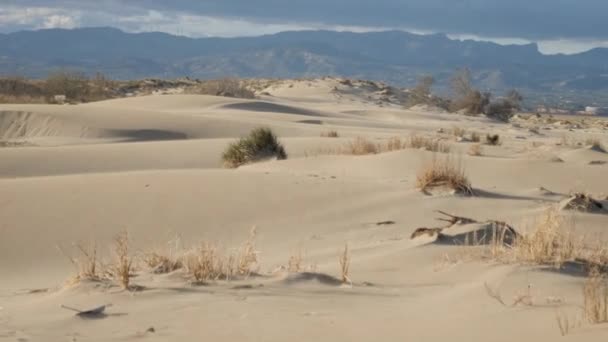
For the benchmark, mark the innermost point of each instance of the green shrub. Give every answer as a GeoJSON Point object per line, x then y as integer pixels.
{"type": "Point", "coordinates": [261, 143]}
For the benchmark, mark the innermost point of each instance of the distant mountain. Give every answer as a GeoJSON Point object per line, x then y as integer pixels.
{"type": "Point", "coordinates": [392, 56]}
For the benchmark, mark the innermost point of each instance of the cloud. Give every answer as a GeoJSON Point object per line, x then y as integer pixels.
{"type": "Point", "coordinates": [59, 21]}
{"type": "Point", "coordinates": [38, 17]}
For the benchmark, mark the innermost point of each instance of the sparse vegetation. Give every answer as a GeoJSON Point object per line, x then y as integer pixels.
{"type": "Point", "coordinates": [87, 263]}
{"type": "Point", "coordinates": [475, 137]}
{"type": "Point", "coordinates": [122, 266]}
{"type": "Point", "coordinates": [228, 87]}
{"type": "Point", "coordinates": [595, 294]}
{"type": "Point", "coordinates": [421, 93]}
{"type": "Point", "coordinates": [345, 265]}
{"type": "Point", "coordinates": [330, 134]}
{"type": "Point", "coordinates": [261, 143]}
{"type": "Point", "coordinates": [433, 145]}
{"type": "Point", "coordinates": [492, 139]}
{"type": "Point", "coordinates": [209, 263]}
{"type": "Point", "coordinates": [361, 146]}
{"type": "Point", "coordinates": [475, 150]}
{"type": "Point", "coordinates": [459, 132]}
{"type": "Point", "coordinates": [444, 173]}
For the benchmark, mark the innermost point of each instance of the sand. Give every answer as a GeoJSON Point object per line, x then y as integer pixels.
{"type": "Point", "coordinates": [151, 165]}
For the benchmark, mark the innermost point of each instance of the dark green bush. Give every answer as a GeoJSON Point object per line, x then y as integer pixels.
{"type": "Point", "coordinates": [261, 143]}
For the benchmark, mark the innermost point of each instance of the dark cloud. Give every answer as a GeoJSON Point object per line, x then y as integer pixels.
{"type": "Point", "coordinates": [530, 19]}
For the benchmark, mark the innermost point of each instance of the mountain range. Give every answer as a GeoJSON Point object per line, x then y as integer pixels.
{"type": "Point", "coordinates": [395, 57]}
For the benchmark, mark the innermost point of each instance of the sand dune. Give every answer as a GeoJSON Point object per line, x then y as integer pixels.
{"type": "Point", "coordinates": [152, 165]}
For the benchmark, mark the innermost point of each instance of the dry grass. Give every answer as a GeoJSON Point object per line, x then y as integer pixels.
{"type": "Point", "coordinates": [361, 146]}
{"type": "Point", "coordinates": [295, 262]}
{"type": "Point", "coordinates": [330, 134]}
{"type": "Point", "coordinates": [345, 265]}
{"type": "Point", "coordinates": [475, 150]}
{"type": "Point", "coordinates": [459, 132]}
{"type": "Point", "coordinates": [550, 242]}
{"type": "Point", "coordinates": [205, 263]}
{"type": "Point", "coordinates": [595, 294]}
{"type": "Point", "coordinates": [248, 255]}
{"type": "Point", "coordinates": [122, 267]}
{"type": "Point", "coordinates": [565, 324]}
{"type": "Point", "coordinates": [87, 263]}
{"type": "Point", "coordinates": [209, 262]}
{"type": "Point", "coordinates": [162, 263]}
{"type": "Point", "coordinates": [22, 99]}
{"type": "Point", "coordinates": [475, 137]}
{"type": "Point", "coordinates": [428, 144]}
{"type": "Point", "coordinates": [394, 144]}
{"type": "Point", "coordinates": [443, 173]}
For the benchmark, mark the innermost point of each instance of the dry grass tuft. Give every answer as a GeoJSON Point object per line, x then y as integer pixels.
{"type": "Point", "coordinates": [209, 262]}
{"type": "Point", "coordinates": [459, 132]}
{"type": "Point", "coordinates": [162, 263]}
{"type": "Point", "coordinates": [595, 294]}
{"type": "Point", "coordinates": [121, 270]}
{"type": "Point", "coordinates": [361, 146]}
{"type": "Point", "coordinates": [548, 243]}
{"type": "Point", "coordinates": [428, 144]}
{"type": "Point", "coordinates": [295, 262]}
{"type": "Point", "coordinates": [248, 255]}
{"type": "Point", "coordinates": [330, 134]}
{"type": "Point", "coordinates": [444, 173]}
{"type": "Point", "coordinates": [475, 150]}
{"type": "Point", "coordinates": [475, 137]}
{"type": "Point", "coordinates": [394, 144]}
{"type": "Point", "coordinates": [87, 264]}
{"type": "Point", "coordinates": [345, 265]}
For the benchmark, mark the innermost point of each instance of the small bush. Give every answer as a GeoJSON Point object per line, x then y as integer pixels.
{"type": "Point", "coordinates": [330, 134]}
{"type": "Point", "coordinates": [493, 139]}
{"type": "Point", "coordinates": [502, 110]}
{"type": "Point", "coordinates": [228, 87]}
{"type": "Point", "coordinates": [443, 173]}
{"type": "Point", "coordinates": [261, 143]}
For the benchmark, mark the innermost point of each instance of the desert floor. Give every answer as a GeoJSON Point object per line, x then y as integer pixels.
{"type": "Point", "coordinates": [152, 166]}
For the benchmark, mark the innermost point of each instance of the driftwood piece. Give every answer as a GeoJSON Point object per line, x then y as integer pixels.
{"type": "Point", "coordinates": [454, 220]}
{"type": "Point", "coordinates": [426, 231]}
{"type": "Point", "coordinates": [506, 231]}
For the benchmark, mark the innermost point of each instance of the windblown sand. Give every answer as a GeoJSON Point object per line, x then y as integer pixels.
{"type": "Point", "coordinates": [152, 166]}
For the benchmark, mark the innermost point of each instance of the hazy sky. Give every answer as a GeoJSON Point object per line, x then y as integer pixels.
{"type": "Point", "coordinates": [558, 25]}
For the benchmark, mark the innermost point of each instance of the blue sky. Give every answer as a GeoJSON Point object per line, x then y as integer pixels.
{"type": "Point", "coordinates": [557, 25]}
